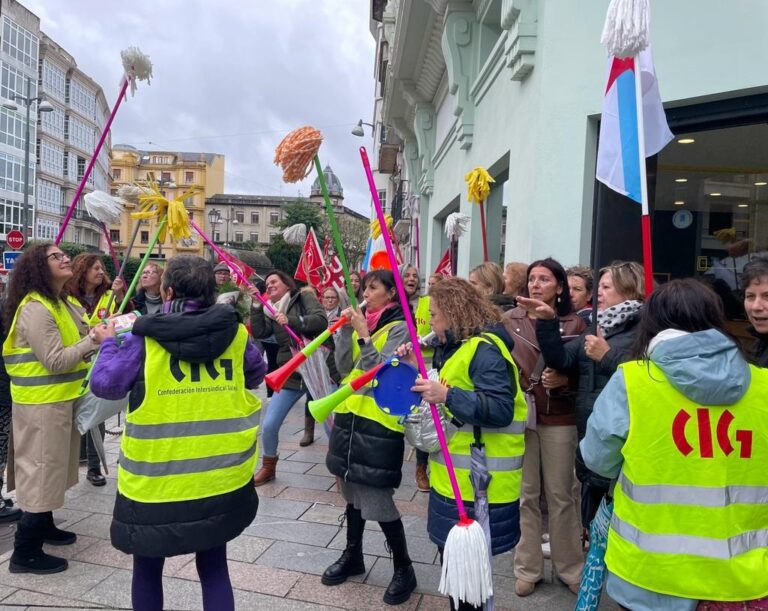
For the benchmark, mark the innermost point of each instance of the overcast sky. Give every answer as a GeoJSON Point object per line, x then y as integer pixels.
{"type": "Point", "coordinates": [232, 78]}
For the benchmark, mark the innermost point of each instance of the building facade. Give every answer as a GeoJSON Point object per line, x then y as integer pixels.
{"type": "Point", "coordinates": [66, 139]}
{"type": "Point", "coordinates": [175, 173]}
{"type": "Point", "coordinates": [516, 86]}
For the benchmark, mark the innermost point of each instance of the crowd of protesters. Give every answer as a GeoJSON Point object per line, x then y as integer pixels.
{"type": "Point", "coordinates": [573, 402]}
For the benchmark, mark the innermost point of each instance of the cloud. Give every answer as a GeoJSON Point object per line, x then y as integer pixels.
{"type": "Point", "coordinates": [233, 78]}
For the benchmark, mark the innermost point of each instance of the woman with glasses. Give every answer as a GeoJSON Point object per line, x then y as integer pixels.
{"type": "Point", "coordinates": [46, 351]}
{"type": "Point", "coordinates": [592, 357]}
{"type": "Point", "coordinates": [333, 303]}
{"type": "Point", "coordinates": [550, 439]}
{"type": "Point", "coordinates": [148, 299]}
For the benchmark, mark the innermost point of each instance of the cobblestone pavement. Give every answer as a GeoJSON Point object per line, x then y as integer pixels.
{"type": "Point", "coordinates": [274, 565]}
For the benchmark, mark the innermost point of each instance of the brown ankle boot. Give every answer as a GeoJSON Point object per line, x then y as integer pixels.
{"type": "Point", "coordinates": [267, 471]}
{"type": "Point", "coordinates": [309, 432]}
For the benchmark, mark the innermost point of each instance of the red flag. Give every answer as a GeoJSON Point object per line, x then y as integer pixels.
{"type": "Point", "coordinates": [311, 265]}
{"type": "Point", "coordinates": [246, 270]}
{"type": "Point", "coordinates": [444, 266]}
{"type": "Point", "coordinates": [334, 273]}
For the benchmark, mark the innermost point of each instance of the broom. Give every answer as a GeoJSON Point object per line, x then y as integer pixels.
{"type": "Point", "coordinates": [466, 573]}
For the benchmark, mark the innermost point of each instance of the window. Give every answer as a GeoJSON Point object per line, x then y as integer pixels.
{"type": "Point", "coordinates": [117, 174]}
{"type": "Point", "coordinates": [254, 237]}
{"type": "Point", "coordinates": [238, 236]}
{"type": "Point", "coordinates": [160, 160]}
{"type": "Point", "coordinates": [12, 129]}
{"type": "Point", "coordinates": [145, 237]}
{"type": "Point", "coordinates": [165, 176]}
{"type": "Point", "coordinates": [189, 177]}
{"type": "Point", "coordinates": [114, 236]}
{"type": "Point", "coordinates": [81, 167]}
{"type": "Point", "coordinates": [46, 230]}
{"type": "Point", "coordinates": [54, 81]}
{"type": "Point", "coordinates": [274, 218]}
{"type": "Point", "coordinates": [254, 218]}
{"type": "Point", "coordinates": [19, 43]}
{"type": "Point", "coordinates": [53, 123]}
{"type": "Point", "coordinates": [10, 215]}
{"type": "Point", "coordinates": [12, 173]}
{"type": "Point", "coordinates": [82, 99]}
{"type": "Point", "coordinates": [217, 237]}
{"type": "Point", "coordinates": [80, 134]}
{"type": "Point", "coordinates": [383, 200]}
{"type": "Point", "coordinates": [50, 197]}
{"type": "Point", "coordinates": [240, 216]}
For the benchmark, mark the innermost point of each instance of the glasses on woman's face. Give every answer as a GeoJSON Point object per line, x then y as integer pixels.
{"type": "Point", "coordinates": [330, 298]}
{"type": "Point", "coordinates": [59, 256]}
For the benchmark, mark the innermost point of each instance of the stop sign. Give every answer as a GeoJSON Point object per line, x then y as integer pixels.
{"type": "Point", "coordinates": [15, 239]}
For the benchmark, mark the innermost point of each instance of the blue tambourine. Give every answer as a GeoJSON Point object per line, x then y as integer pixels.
{"type": "Point", "coordinates": [392, 388]}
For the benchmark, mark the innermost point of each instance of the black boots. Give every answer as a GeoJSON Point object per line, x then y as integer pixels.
{"type": "Point", "coordinates": [8, 513]}
{"type": "Point", "coordinates": [55, 536]}
{"type": "Point", "coordinates": [351, 561]}
{"type": "Point", "coordinates": [404, 579]}
{"type": "Point", "coordinates": [28, 555]}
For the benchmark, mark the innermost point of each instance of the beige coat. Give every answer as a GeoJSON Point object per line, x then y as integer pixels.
{"type": "Point", "coordinates": [43, 460]}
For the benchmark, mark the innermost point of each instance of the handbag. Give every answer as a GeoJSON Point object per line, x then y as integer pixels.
{"type": "Point", "coordinates": [420, 429]}
{"type": "Point", "coordinates": [91, 411]}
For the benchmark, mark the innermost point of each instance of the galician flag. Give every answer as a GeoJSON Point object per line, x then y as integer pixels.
{"type": "Point", "coordinates": [618, 153]}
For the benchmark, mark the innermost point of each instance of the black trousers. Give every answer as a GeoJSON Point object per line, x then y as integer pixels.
{"type": "Point", "coordinates": [88, 449]}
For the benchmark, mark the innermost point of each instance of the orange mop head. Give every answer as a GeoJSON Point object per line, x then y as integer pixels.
{"type": "Point", "coordinates": [296, 151]}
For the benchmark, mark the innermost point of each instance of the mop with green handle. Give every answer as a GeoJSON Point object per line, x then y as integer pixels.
{"type": "Point", "coordinates": [295, 155]}
{"type": "Point", "coordinates": [466, 573]}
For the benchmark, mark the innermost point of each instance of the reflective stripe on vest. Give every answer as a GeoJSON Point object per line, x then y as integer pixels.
{"type": "Point", "coordinates": [504, 447]}
{"type": "Point", "coordinates": [99, 311]}
{"type": "Point", "coordinates": [195, 433]}
{"type": "Point", "coordinates": [689, 504]}
{"type": "Point", "coordinates": [362, 403]}
{"type": "Point", "coordinates": [31, 382]}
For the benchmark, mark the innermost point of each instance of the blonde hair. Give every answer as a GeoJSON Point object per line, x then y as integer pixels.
{"type": "Point", "coordinates": [490, 275]}
{"type": "Point", "coordinates": [628, 279]}
{"type": "Point", "coordinates": [465, 310]}
{"type": "Point", "coordinates": [519, 273]}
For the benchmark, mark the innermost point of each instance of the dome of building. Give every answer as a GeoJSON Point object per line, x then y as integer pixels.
{"type": "Point", "coordinates": [123, 147]}
{"type": "Point", "coordinates": [334, 185]}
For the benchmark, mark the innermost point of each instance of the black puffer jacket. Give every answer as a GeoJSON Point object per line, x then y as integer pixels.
{"type": "Point", "coordinates": [571, 356]}
{"type": "Point", "coordinates": [759, 352]}
{"type": "Point", "coordinates": [362, 450]}
{"type": "Point", "coordinates": [305, 316]}
{"type": "Point", "coordinates": [183, 527]}
{"type": "Point", "coordinates": [491, 404]}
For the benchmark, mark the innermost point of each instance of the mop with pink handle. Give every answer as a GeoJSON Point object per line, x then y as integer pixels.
{"type": "Point", "coordinates": [466, 573]}
{"type": "Point", "coordinates": [136, 66]}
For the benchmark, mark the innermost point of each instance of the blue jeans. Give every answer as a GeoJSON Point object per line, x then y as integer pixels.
{"type": "Point", "coordinates": [277, 409]}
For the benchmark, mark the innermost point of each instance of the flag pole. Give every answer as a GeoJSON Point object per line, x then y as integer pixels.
{"type": "Point", "coordinates": [646, 217]}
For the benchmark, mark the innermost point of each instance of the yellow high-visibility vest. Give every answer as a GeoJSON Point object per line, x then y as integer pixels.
{"type": "Point", "coordinates": [504, 447]}
{"type": "Point", "coordinates": [31, 382]}
{"type": "Point", "coordinates": [422, 323]}
{"type": "Point", "coordinates": [690, 515]}
{"type": "Point", "coordinates": [100, 311]}
{"type": "Point", "coordinates": [195, 433]}
{"type": "Point", "coordinates": [362, 403]}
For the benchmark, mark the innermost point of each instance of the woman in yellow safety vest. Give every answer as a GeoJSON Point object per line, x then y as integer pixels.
{"type": "Point", "coordinates": [45, 355]}
{"type": "Point", "coordinates": [478, 386]}
{"type": "Point", "coordinates": [366, 445]}
{"type": "Point", "coordinates": [190, 442]}
{"type": "Point", "coordinates": [684, 432]}
{"type": "Point", "coordinates": [89, 288]}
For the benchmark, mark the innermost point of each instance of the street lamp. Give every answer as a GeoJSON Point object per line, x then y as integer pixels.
{"type": "Point", "coordinates": [358, 130]}
{"type": "Point", "coordinates": [42, 106]}
{"type": "Point", "coordinates": [215, 218]}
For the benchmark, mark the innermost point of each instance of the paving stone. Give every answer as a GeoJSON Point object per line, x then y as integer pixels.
{"type": "Point", "coordinates": [348, 595]}
{"type": "Point", "coordinates": [271, 489]}
{"type": "Point", "coordinates": [282, 508]}
{"type": "Point", "coordinates": [253, 577]}
{"type": "Point", "coordinates": [312, 496]}
{"type": "Point", "coordinates": [247, 549]}
{"type": "Point", "coordinates": [306, 558]}
{"type": "Point", "coordinates": [95, 525]}
{"type": "Point", "coordinates": [503, 564]}
{"type": "Point", "coordinates": [320, 469]}
{"type": "Point", "coordinates": [299, 480]}
{"type": "Point", "coordinates": [65, 517]}
{"type": "Point", "coordinates": [93, 503]}
{"type": "Point", "coordinates": [7, 535]}
{"type": "Point", "coordinates": [427, 575]}
{"type": "Point", "coordinates": [33, 600]}
{"type": "Point", "coordinates": [295, 466]}
{"type": "Point", "coordinates": [254, 601]}
{"type": "Point", "coordinates": [434, 602]}
{"type": "Point", "coordinates": [315, 456]}
{"type": "Point", "coordinates": [415, 526]}
{"type": "Point", "coordinates": [6, 591]}
{"type": "Point", "coordinates": [411, 509]}
{"type": "Point", "coordinates": [405, 492]}
{"type": "Point", "coordinates": [70, 552]}
{"type": "Point", "coordinates": [290, 530]}
{"type": "Point", "coordinates": [178, 594]}
{"type": "Point", "coordinates": [78, 579]}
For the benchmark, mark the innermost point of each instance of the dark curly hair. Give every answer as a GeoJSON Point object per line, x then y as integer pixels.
{"type": "Point", "coordinates": [77, 284]}
{"type": "Point", "coordinates": [30, 273]}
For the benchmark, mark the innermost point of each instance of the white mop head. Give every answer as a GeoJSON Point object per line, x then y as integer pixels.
{"type": "Point", "coordinates": [456, 225]}
{"type": "Point", "coordinates": [130, 193]}
{"type": "Point", "coordinates": [103, 207]}
{"type": "Point", "coordinates": [295, 234]}
{"type": "Point", "coordinates": [626, 29]}
{"type": "Point", "coordinates": [136, 66]}
{"type": "Point", "coordinates": [467, 573]}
